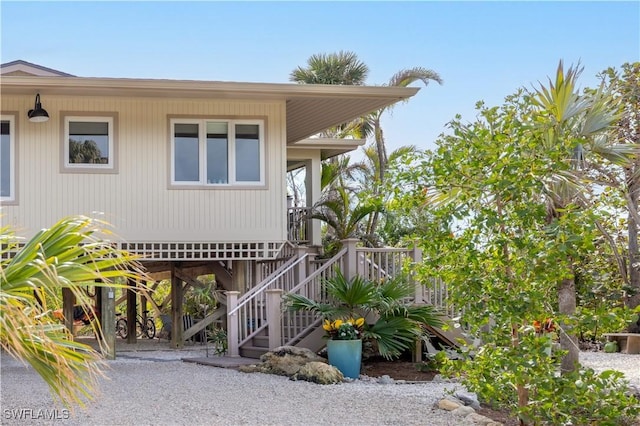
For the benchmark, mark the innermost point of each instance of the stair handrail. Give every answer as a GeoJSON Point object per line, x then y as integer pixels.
{"type": "Point", "coordinates": [266, 283]}
{"type": "Point", "coordinates": [335, 259]}
{"type": "Point", "coordinates": [288, 340]}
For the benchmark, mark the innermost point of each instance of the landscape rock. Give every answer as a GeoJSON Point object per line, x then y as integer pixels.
{"type": "Point", "coordinates": [385, 380]}
{"type": "Point", "coordinates": [478, 419]}
{"type": "Point", "coordinates": [454, 399]}
{"type": "Point", "coordinates": [448, 405]}
{"type": "Point", "coordinates": [634, 390]}
{"type": "Point", "coordinates": [283, 361]}
{"type": "Point", "coordinates": [319, 372]}
{"type": "Point", "coordinates": [468, 398]}
{"type": "Point", "coordinates": [463, 411]}
{"type": "Point", "coordinates": [438, 378]}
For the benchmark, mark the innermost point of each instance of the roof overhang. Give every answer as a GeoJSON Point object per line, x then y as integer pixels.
{"type": "Point", "coordinates": [311, 108]}
{"type": "Point", "coordinates": [328, 148]}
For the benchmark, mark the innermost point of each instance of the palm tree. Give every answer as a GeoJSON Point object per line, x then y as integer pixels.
{"type": "Point", "coordinates": [343, 218]}
{"type": "Point", "coordinates": [370, 179]}
{"type": "Point", "coordinates": [340, 172]}
{"type": "Point", "coordinates": [579, 124]}
{"type": "Point", "coordinates": [69, 255]}
{"type": "Point", "coordinates": [370, 125]}
{"type": "Point", "coordinates": [626, 87]}
{"type": "Point", "coordinates": [397, 323]}
{"type": "Point", "coordinates": [342, 68]}
{"type": "Point", "coordinates": [345, 68]}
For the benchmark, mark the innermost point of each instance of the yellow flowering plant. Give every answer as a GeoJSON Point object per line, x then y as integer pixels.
{"type": "Point", "coordinates": [350, 329]}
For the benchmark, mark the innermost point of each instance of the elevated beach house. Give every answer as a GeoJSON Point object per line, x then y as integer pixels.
{"type": "Point", "coordinates": [192, 175]}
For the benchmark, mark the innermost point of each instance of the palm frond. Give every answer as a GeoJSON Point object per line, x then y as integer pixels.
{"type": "Point", "coordinates": [393, 335]}
{"type": "Point", "coordinates": [405, 77]}
{"type": "Point", "coordinates": [342, 68]}
{"type": "Point", "coordinates": [71, 254]}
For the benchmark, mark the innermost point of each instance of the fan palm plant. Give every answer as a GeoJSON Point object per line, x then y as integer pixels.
{"type": "Point", "coordinates": [69, 255]}
{"type": "Point", "coordinates": [343, 68]}
{"type": "Point", "coordinates": [397, 323]}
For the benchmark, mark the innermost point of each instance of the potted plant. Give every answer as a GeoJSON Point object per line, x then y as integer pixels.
{"type": "Point", "coordinates": [393, 323]}
{"type": "Point", "coordinates": [344, 345]}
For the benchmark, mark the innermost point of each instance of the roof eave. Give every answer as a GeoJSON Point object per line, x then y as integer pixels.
{"type": "Point", "coordinates": [310, 108]}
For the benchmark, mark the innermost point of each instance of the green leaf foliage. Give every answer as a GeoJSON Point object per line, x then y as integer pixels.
{"type": "Point", "coordinates": [71, 254]}
{"type": "Point", "coordinates": [511, 222]}
{"type": "Point", "coordinates": [393, 325]}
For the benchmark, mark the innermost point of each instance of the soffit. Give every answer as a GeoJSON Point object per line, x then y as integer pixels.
{"type": "Point", "coordinates": [310, 108]}
{"type": "Point", "coordinates": [328, 148]}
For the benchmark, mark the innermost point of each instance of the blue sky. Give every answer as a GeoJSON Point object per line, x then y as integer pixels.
{"type": "Point", "coordinates": [482, 50]}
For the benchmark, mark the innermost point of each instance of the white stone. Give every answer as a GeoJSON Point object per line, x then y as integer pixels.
{"type": "Point", "coordinates": [445, 404]}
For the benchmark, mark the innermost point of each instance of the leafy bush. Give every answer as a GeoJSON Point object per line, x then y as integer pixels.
{"type": "Point", "coordinates": [218, 337]}
{"type": "Point", "coordinates": [583, 397]}
{"type": "Point", "coordinates": [577, 398]}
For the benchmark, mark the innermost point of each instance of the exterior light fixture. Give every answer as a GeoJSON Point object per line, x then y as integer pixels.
{"type": "Point", "coordinates": [38, 114]}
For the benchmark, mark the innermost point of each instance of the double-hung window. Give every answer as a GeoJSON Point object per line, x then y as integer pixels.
{"type": "Point", "coordinates": [89, 143]}
{"type": "Point", "coordinates": [7, 158]}
{"type": "Point", "coordinates": [217, 152]}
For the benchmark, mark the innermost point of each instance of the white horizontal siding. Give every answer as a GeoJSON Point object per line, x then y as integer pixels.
{"type": "Point", "coordinates": [137, 200]}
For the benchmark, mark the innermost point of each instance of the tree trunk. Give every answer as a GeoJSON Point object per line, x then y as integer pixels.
{"type": "Point", "coordinates": [382, 164]}
{"type": "Point", "coordinates": [568, 339]}
{"type": "Point", "coordinates": [634, 252]}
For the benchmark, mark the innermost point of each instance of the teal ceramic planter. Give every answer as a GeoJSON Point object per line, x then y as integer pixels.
{"type": "Point", "coordinates": [346, 356]}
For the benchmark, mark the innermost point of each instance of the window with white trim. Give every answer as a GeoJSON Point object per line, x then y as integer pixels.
{"type": "Point", "coordinates": [89, 143]}
{"type": "Point", "coordinates": [217, 152]}
{"type": "Point", "coordinates": [7, 158]}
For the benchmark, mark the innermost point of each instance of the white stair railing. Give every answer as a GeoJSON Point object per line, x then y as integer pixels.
{"type": "Point", "coordinates": [249, 314]}
{"type": "Point", "coordinates": [296, 324]}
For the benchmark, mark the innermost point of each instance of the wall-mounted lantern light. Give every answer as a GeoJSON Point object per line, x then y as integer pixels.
{"type": "Point", "coordinates": [38, 114]}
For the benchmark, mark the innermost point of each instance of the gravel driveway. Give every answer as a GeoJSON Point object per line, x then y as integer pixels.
{"type": "Point", "coordinates": [157, 388]}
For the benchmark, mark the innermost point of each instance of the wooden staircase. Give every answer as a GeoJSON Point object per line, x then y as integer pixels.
{"type": "Point", "coordinates": [257, 323]}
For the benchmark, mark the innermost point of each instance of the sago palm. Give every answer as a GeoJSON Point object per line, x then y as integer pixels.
{"type": "Point", "coordinates": [69, 255]}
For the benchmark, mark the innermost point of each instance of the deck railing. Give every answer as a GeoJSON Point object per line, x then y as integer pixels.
{"type": "Point", "coordinates": [377, 264]}
{"type": "Point", "coordinates": [248, 314]}
{"type": "Point", "coordinates": [298, 224]}
{"type": "Point", "coordinates": [436, 293]}
{"type": "Point", "coordinates": [295, 325]}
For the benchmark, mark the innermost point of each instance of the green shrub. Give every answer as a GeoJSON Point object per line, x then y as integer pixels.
{"type": "Point", "coordinates": [579, 398]}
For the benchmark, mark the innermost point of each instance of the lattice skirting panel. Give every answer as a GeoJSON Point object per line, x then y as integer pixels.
{"type": "Point", "coordinates": [204, 251]}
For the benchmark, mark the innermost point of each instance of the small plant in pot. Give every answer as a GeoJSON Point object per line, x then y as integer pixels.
{"type": "Point", "coordinates": [344, 330]}
{"type": "Point", "coordinates": [344, 345]}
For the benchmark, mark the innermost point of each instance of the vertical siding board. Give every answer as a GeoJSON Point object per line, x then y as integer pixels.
{"type": "Point", "coordinates": [137, 199]}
